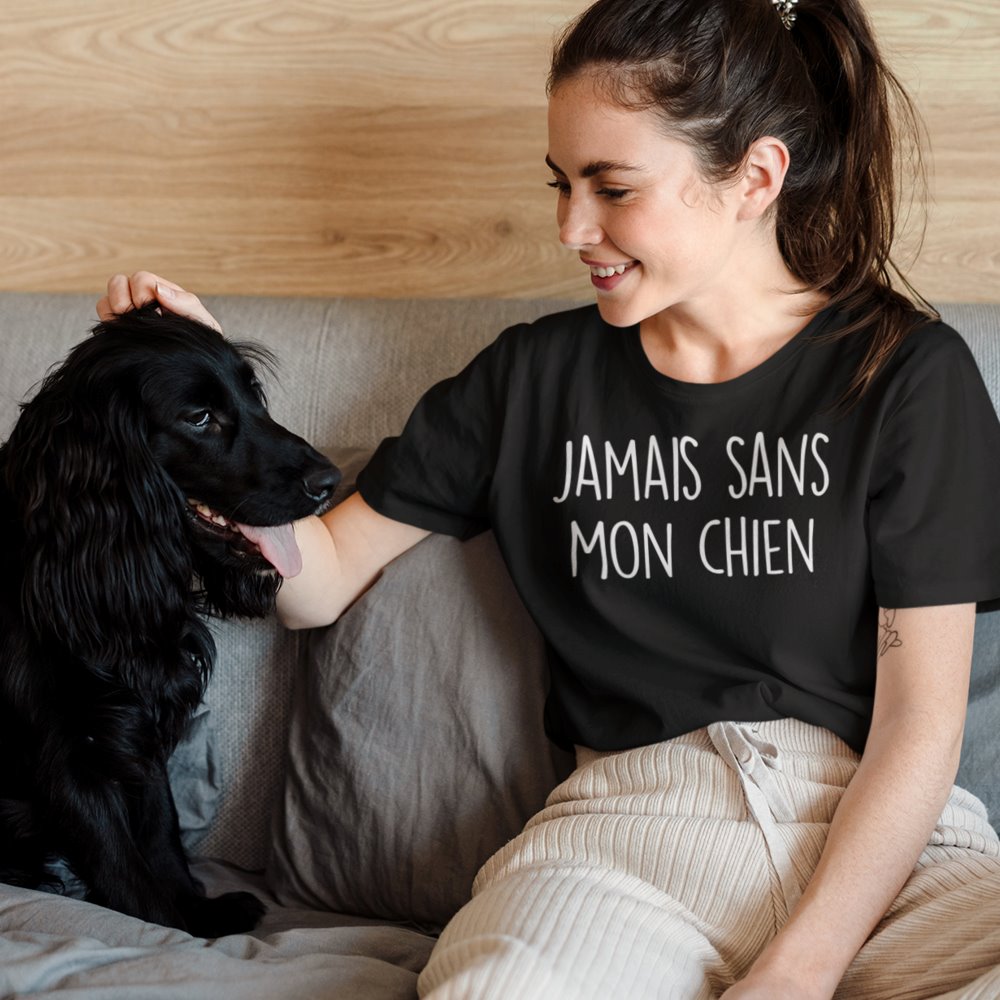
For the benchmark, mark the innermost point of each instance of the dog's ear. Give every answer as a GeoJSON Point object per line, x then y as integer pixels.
{"type": "Point", "coordinates": [99, 519]}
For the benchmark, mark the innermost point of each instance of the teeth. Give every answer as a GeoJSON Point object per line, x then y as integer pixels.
{"type": "Point", "coordinates": [208, 514]}
{"type": "Point", "coordinates": [606, 272]}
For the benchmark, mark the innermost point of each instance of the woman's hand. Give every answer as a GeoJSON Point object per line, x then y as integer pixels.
{"type": "Point", "coordinates": [126, 293]}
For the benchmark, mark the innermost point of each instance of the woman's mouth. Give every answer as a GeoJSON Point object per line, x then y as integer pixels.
{"type": "Point", "coordinates": [605, 277]}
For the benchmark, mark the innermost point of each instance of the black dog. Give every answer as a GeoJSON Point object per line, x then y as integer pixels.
{"type": "Point", "coordinates": [142, 465]}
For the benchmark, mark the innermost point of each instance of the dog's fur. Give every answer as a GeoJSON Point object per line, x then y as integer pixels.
{"type": "Point", "coordinates": [104, 653]}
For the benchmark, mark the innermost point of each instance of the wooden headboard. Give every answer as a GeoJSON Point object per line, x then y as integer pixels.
{"type": "Point", "coordinates": [374, 147]}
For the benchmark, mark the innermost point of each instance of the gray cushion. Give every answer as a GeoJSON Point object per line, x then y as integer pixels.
{"type": "Point", "coordinates": [980, 768]}
{"type": "Point", "coordinates": [416, 746]}
{"type": "Point", "coordinates": [194, 779]}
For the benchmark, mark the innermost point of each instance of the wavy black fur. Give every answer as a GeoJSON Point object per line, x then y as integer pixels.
{"type": "Point", "coordinates": [104, 652]}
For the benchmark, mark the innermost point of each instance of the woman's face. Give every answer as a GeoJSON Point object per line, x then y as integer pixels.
{"type": "Point", "coordinates": [633, 200]}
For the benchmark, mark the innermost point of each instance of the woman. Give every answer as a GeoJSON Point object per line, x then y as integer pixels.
{"type": "Point", "coordinates": [750, 500]}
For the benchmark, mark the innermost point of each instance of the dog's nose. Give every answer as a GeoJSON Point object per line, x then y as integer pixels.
{"type": "Point", "coordinates": [319, 485]}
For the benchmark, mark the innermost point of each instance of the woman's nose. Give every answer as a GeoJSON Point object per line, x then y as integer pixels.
{"type": "Point", "coordinates": [578, 225]}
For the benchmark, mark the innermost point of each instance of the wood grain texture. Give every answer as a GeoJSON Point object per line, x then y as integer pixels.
{"type": "Point", "coordinates": [260, 53]}
{"type": "Point", "coordinates": [384, 247]}
{"type": "Point", "coordinates": [384, 147]}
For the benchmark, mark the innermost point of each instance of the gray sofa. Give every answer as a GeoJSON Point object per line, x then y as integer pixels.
{"type": "Point", "coordinates": [354, 777]}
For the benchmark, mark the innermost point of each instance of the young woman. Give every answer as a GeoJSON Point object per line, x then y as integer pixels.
{"type": "Point", "coordinates": [750, 499]}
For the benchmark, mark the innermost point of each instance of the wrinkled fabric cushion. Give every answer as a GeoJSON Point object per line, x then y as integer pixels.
{"type": "Point", "coordinates": [979, 770]}
{"type": "Point", "coordinates": [416, 747]}
{"type": "Point", "coordinates": [194, 779]}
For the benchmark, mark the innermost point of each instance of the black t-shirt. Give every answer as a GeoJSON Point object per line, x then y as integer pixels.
{"type": "Point", "coordinates": [703, 552]}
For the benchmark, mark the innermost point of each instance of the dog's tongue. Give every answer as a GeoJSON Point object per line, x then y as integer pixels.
{"type": "Point", "coordinates": [277, 545]}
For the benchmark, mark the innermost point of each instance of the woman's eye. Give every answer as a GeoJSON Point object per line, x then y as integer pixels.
{"type": "Point", "coordinates": [199, 419]}
{"type": "Point", "coordinates": [613, 193]}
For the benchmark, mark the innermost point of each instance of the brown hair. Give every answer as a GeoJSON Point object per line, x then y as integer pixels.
{"type": "Point", "coordinates": [723, 73]}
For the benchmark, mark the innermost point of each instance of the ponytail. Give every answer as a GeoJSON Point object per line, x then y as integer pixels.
{"type": "Point", "coordinates": [723, 73]}
{"type": "Point", "coordinates": [872, 124]}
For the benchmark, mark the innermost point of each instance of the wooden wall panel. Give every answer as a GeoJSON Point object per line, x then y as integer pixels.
{"type": "Point", "coordinates": [373, 147]}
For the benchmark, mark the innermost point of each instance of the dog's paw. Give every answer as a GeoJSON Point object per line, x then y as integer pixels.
{"type": "Point", "coordinates": [230, 913]}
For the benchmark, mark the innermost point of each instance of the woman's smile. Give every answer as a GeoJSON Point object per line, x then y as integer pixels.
{"type": "Point", "coordinates": [607, 276]}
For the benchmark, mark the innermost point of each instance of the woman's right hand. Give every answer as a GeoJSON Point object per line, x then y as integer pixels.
{"type": "Point", "coordinates": [126, 293]}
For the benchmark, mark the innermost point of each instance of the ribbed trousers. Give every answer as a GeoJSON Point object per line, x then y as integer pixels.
{"type": "Point", "coordinates": [662, 872]}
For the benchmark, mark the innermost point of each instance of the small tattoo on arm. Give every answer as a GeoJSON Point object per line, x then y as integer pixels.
{"type": "Point", "coordinates": [888, 637]}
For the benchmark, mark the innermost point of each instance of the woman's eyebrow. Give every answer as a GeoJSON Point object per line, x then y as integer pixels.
{"type": "Point", "coordinates": [597, 167]}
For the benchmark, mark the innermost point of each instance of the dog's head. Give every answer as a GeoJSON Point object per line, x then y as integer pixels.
{"type": "Point", "coordinates": [151, 446]}
{"type": "Point", "coordinates": [244, 477]}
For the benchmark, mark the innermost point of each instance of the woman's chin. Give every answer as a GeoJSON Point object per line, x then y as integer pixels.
{"type": "Point", "coordinates": [620, 313]}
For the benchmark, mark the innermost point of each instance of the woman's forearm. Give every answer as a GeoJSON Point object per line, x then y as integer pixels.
{"type": "Point", "coordinates": [309, 599]}
{"type": "Point", "coordinates": [889, 809]}
{"type": "Point", "coordinates": [880, 828]}
{"type": "Point", "coordinates": [343, 554]}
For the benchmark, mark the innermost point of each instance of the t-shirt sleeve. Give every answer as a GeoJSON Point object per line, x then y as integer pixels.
{"type": "Point", "coordinates": [934, 495]}
{"type": "Point", "coordinates": [437, 474]}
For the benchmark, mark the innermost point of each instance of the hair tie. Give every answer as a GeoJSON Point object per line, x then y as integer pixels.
{"type": "Point", "coordinates": [786, 11]}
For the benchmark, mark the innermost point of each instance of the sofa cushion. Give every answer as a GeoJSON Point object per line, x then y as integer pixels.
{"type": "Point", "coordinates": [979, 770]}
{"type": "Point", "coordinates": [416, 747]}
{"type": "Point", "coordinates": [194, 779]}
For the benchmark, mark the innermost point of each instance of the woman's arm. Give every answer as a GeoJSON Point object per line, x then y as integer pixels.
{"type": "Point", "coordinates": [343, 553]}
{"type": "Point", "coordinates": [889, 809]}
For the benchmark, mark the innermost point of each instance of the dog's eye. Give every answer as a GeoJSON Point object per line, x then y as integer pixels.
{"type": "Point", "coordinates": [201, 418]}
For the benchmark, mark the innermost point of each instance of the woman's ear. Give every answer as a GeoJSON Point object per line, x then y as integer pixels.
{"type": "Point", "coordinates": [764, 170]}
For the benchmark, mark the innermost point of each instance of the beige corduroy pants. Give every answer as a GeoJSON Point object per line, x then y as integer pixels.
{"type": "Point", "coordinates": [661, 872]}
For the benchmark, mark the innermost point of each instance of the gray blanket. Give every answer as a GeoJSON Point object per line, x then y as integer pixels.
{"type": "Point", "coordinates": [67, 948]}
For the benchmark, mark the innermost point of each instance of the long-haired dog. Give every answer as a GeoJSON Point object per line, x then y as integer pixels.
{"type": "Point", "coordinates": [144, 486]}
